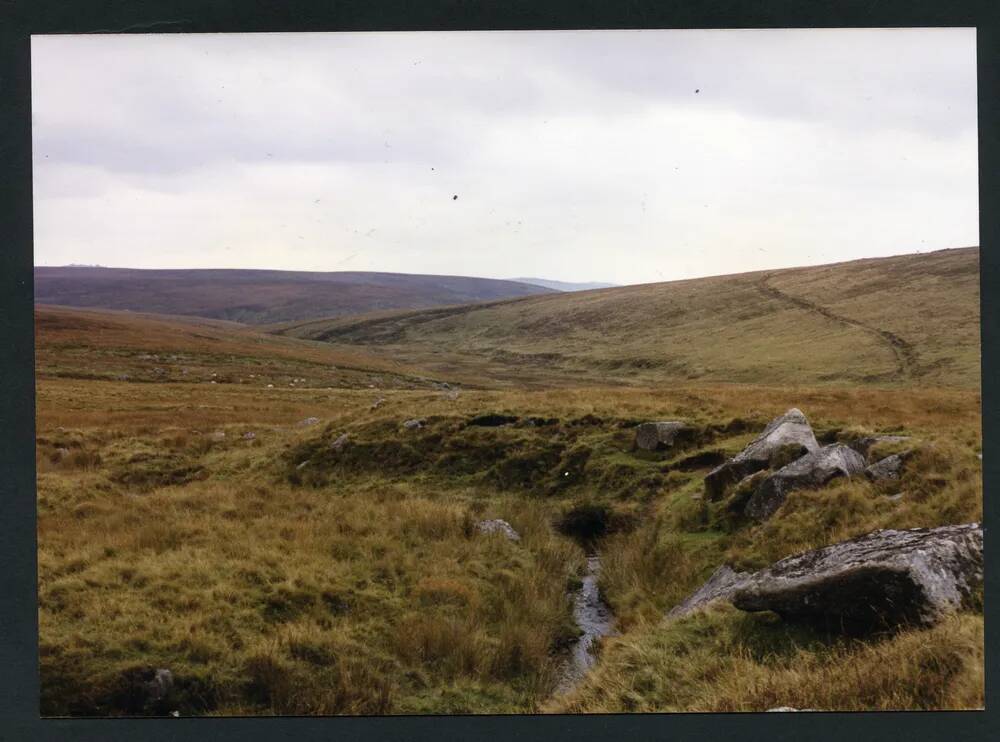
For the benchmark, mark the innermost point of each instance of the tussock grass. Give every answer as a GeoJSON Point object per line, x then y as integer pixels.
{"type": "Point", "coordinates": [723, 660]}
{"type": "Point", "coordinates": [362, 585]}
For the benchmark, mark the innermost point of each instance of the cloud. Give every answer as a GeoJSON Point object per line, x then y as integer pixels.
{"type": "Point", "coordinates": [575, 155]}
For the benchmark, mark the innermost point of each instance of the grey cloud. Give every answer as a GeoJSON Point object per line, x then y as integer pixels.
{"type": "Point", "coordinates": [588, 155]}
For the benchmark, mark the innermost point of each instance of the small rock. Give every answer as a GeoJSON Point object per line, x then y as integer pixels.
{"type": "Point", "coordinates": [270, 386]}
{"type": "Point", "coordinates": [497, 525]}
{"type": "Point", "coordinates": [308, 421]}
{"type": "Point", "coordinates": [378, 403]}
{"type": "Point", "coordinates": [656, 436]}
{"type": "Point", "coordinates": [887, 468]}
{"type": "Point", "coordinates": [415, 424]}
{"type": "Point", "coordinates": [302, 465]}
{"type": "Point", "coordinates": [340, 442]}
{"type": "Point", "coordinates": [161, 684]}
{"type": "Point", "coordinates": [249, 435]}
{"type": "Point", "coordinates": [217, 435]}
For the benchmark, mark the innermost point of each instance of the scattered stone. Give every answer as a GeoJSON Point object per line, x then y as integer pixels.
{"type": "Point", "coordinates": [123, 377]}
{"type": "Point", "coordinates": [451, 394]}
{"type": "Point", "coordinates": [895, 498]}
{"type": "Point", "coordinates": [881, 580]}
{"type": "Point", "coordinates": [815, 469]}
{"type": "Point", "coordinates": [887, 468]}
{"type": "Point", "coordinates": [302, 465]}
{"type": "Point", "coordinates": [308, 421]}
{"type": "Point", "coordinates": [720, 586]}
{"type": "Point", "coordinates": [415, 424]}
{"type": "Point", "coordinates": [270, 386]}
{"type": "Point", "coordinates": [161, 684]}
{"type": "Point", "coordinates": [217, 435]}
{"type": "Point", "coordinates": [249, 435]}
{"type": "Point", "coordinates": [378, 403]}
{"type": "Point", "coordinates": [340, 442]}
{"type": "Point", "coordinates": [657, 436]}
{"type": "Point", "coordinates": [498, 526]}
{"type": "Point", "coordinates": [789, 430]}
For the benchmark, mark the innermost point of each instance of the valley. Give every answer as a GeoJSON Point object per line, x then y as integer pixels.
{"type": "Point", "coordinates": [288, 518]}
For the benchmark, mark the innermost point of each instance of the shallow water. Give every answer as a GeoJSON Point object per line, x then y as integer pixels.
{"type": "Point", "coordinates": [595, 620]}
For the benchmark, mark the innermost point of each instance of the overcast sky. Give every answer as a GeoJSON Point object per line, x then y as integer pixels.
{"type": "Point", "coordinates": [626, 157]}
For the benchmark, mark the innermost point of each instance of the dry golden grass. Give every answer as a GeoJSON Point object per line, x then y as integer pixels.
{"type": "Point", "coordinates": [722, 660]}
{"type": "Point", "coordinates": [863, 322]}
{"type": "Point", "coordinates": [358, 584]}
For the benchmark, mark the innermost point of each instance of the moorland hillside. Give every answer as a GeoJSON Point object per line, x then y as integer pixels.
{"type": "Point", "coordinates": [911, 319]}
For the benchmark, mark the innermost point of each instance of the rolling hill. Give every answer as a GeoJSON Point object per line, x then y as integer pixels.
{"type": "Point", "coordinates": [107, 345]}
{"type": "Point", "coordinates": [905, 320]}
{"type": "Point", "coordinates": [565, 285]}
{"type": "Point", "coordinates": [261, 296]}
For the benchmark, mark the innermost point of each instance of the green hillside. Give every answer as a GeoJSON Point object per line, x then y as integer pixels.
{"type": "Point", "coordinates": [911, 319]}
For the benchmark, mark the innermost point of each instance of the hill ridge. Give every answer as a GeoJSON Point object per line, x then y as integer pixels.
{"type": "Point", "coordinates": [862, 321]}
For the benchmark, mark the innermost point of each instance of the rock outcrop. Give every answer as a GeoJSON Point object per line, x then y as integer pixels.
{"type": "Point", "coordinates": [882, 580]}
{"type": "Point", "coordinates": [497, 525]}
{"type": "Point", "coordinates": [658, 435]}
{"type": "Point", "coordinates": [415, 424]}
{"type": "Point", "coordinates": [720, 586]}
{"type": "Point", "coordinates": [790, 431]}
{"type": "Point", "coordinates": [815, 469]}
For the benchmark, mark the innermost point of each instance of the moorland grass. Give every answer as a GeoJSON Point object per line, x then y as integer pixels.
{"type": "Point", "coordinates": [359, 583]}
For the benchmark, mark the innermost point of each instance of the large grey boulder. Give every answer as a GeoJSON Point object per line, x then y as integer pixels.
{"type": "Point", "coordinates": [654, 436]}
{"type": "Point", "coordinates": [720, 586]}
{"type": "Point", "coordinates": [815, 469]}
{"type": "Point", "coordinates": [882, 580]}
{"type": "Point", "coordinates": [888, 468]}
{"type": "Point", "coordinates": [789, 430]}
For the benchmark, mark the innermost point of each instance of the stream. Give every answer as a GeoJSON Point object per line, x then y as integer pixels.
{"type": "Point", "coordinates": [595, 620]}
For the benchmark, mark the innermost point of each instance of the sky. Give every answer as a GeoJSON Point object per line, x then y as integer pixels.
{"type": "Point", "coordinates": [618, 156]}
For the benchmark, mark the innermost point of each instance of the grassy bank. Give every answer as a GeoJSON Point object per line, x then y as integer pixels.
{"type": "Point", "coordinates": [357, 583]}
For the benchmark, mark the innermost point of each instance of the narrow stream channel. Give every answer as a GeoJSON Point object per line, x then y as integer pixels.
{"type": "Point", "coordinates": [595, 620]}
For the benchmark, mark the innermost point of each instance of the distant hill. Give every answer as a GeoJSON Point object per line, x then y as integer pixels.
{"type": "Point", "coordinates": [262, 296]}
{"type": "Point", "coordinates": [564, 285]}
{"type": "Point", "coordinates": [906, 320]}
